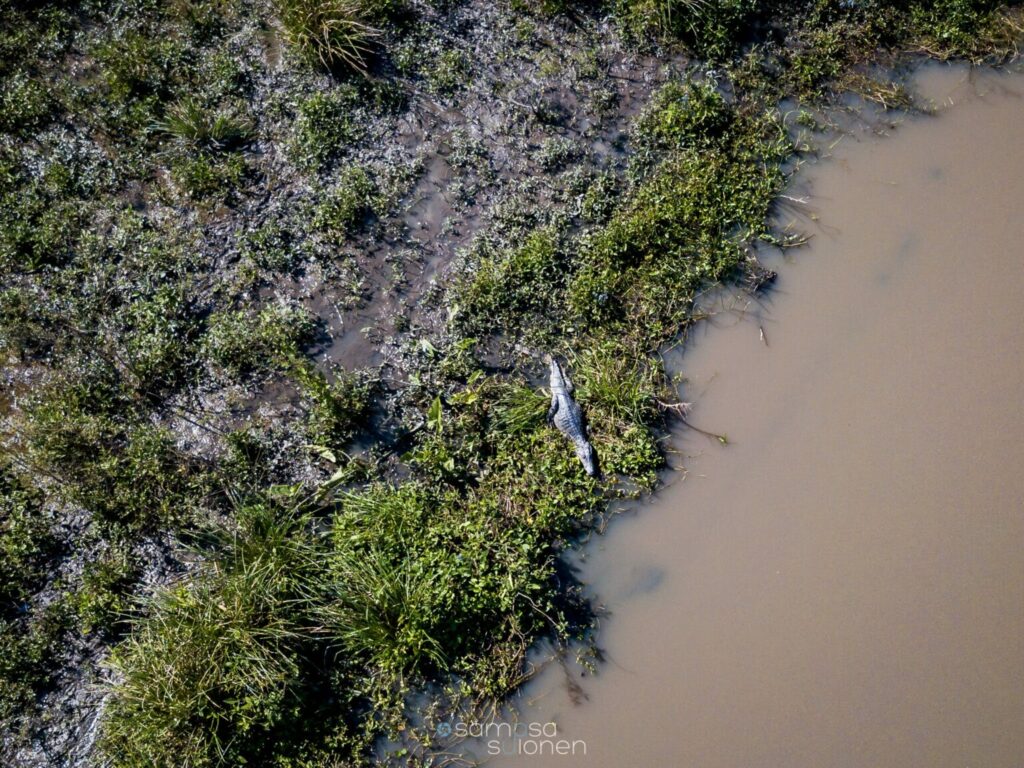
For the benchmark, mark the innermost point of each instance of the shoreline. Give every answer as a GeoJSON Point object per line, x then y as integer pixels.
{"type": "Point", "coordinates": [451, 575]}
{"type": "Point", "coordinates": [803, 592]}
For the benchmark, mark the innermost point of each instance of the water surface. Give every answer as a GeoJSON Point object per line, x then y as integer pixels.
{"type": "Point", "coordinates": [843, 585]}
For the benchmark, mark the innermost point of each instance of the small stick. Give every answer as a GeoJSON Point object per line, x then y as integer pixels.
{"type": "Point", "coordinates": [680, 410]}
{"type": "Point", "coordinates": [720, 438]}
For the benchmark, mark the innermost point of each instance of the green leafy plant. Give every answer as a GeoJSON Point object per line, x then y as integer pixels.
{"type": "Point", "coordinates": [102, 602]}
{"type": "Point", "coordinates": [337, 408]}
{"type": "Point", "coordinates": [31, 650]}
{"type": "Point", "coordinates": [241, 343]}
{"type": "Point", "coordinates": [27, 542]}
{"type": "Point", "coordinates": [325, 127]}
{"type": "Point", "coordinates": [509, 287]}
{"type": "Point", "coordinates": [207, 178]}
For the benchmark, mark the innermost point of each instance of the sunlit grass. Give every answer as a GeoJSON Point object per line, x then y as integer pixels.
{"type": "Point", "coordinates": [332, 32]}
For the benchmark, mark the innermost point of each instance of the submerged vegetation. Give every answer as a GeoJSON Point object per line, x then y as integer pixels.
{"type": "Point", "coordinates": [214, 527]}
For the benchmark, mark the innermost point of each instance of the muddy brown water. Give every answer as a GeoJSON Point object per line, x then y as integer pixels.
{"type": "Point", "coordinates": [842, 585]}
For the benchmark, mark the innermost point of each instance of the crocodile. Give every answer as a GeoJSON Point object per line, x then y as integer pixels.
{"type": "Point", "coordinates": [566, 416]}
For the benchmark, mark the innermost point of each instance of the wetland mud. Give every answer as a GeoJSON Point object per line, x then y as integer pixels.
{"type": "Point", "coordinates": [843, 584]}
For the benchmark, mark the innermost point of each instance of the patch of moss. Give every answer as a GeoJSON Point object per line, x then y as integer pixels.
{"type": "Point", "coordinates": [712, 30]}
{"type": "Point", "coordinates": [557, 152]}
{"type": "Point", "coordinates": [25, 104]}
{"type": "Point", "coordinates": [40, 223]}
{"type": "Point", "coordinates": [270, 247]}
{"type": "Point", "coordinates": [160, 333]}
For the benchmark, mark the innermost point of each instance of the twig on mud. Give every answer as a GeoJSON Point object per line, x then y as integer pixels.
{"type": "Point", "coordinates": [181, 412]}
{"type": "Point", "coordinates": [796, 241]}
{"type": "Point", "coordinates": [538, 609]}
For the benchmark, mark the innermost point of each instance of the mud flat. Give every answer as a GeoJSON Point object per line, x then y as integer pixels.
{"type": "Point", "coordinates": [843, 585]}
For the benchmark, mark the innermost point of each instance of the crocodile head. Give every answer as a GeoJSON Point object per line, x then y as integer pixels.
{"type": "Point", "coordinates": [559, 378]}
{"type": "Point", "coordinates": [586, 453]}
{"type": "Point", "coordinates": [556, 369]}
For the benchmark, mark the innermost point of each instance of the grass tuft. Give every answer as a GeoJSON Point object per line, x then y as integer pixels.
{"type": "Point", "coordinates": [192, 124]}
{"type": "Point", "coordinates": [209, 675]}
{"type": "Point", "coordinates": [331, 32]}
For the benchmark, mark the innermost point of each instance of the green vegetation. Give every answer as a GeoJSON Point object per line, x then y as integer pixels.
{"type": "Point", "coordinates": [29, 635]}
{"type": "Point", "coordinates": [509, 288]}
{"type": "Point", "coordinates": [449, 71]}
{"type": "Point", "coordinates": [324, 127]}
{"type": "Point", "coordinates": [332, 32]}
{"type": "Point", "coordinates": [195, 126]}
{"type": "Point", "coordinates": [205, 178]}
{"type": "Point", "coordinates": [189, 491]}
{"type": "Point", "coordinates": [813, 48]}
{"type": "Point", "coordinates": [336, 409]}
{"type": "Point", "coordinates": [240, 342]}
{"type": "Point", "coordinates": [711, 30]}
{"type": "Point", "coordinates": [232, 638]}
{"type": "Point", "coordinates": [31, 652]}
{"type": "Point", "coordinates": [26, 542]}
{"type": "Point", "coordinates": [103, 600]}
{"type": "Point", "coordinates": [680, 230]}
{"type": "Point", "coordinates": [108, 458]}
{"type": "Point", "coordinates": [345, 207]}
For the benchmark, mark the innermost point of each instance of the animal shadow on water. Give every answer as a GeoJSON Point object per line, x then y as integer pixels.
{"type": "Point", "coordinates": [582, 614]}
